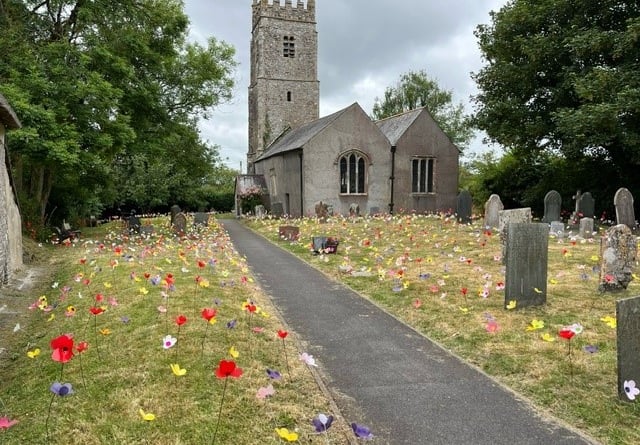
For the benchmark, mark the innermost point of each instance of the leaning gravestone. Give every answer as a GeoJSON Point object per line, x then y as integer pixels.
{"type": "Point", "coordinates": [180, 224]}
{"type": "Point", "coordinates": [557, 228]}
{"type": "Point", "coordinates": [526, 264]}
{"type": "Point", "coordinates": [552, 207]}
{"type": "Point", "coordinates": [464, 206]}
{"type": "Point", "coordinates": [628, 330]}
{"type": "Point", "coordinates": [201, 219]}
{"type": "Point", "coordinates": [625, 214]}
{"type": "Point", "coordinates": [586, 228]}
{"type": "Point", "coordinates": [374, 211]}
{"type": "Point", "coordinates": [492, 209]}
{"type": "Point", "coordinates": [618, 250]}
{"type": "Point", "coordinates": [586, 205]}
{"type": "Point", "coordinates": [260, 211]}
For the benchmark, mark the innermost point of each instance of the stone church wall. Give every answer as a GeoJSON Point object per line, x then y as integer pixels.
{"type": "Point", "coordinates": [10, 222]}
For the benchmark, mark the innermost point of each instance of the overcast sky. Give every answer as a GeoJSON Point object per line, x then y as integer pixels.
{"type": "Point", "coordinates": [364, 46]}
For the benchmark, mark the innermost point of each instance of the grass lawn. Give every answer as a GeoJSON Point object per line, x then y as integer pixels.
{"type": "Point", "coordinates": [446, 280]}
{"type": "Point", "coordinates": [155, 370]}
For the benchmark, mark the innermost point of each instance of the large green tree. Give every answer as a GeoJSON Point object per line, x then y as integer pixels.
{"type": "Point", "coordinates": [562, 77]}
{"type": "Point", "coordinates": [416, 89]}
{"type": "Point", "coordinates": [102, 87]}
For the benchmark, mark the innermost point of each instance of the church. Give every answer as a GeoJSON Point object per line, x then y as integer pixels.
{"type": "Point", "coordinates": [345, 160]}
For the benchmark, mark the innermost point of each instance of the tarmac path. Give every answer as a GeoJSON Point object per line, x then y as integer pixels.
{"type": "Point", "coordinates": [385, 375]}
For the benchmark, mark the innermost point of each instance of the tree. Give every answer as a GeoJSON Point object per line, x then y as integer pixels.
{"type": "Point", "coordinates": [98, 84]}
{"type": "Point", "coordinates": [562, 77]}
{"type": "Point", "coordinates": [417, 90]}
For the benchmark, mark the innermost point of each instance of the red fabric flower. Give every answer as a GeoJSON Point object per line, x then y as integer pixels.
{"type": "Point", "coordinates": [82, 346]}
{"type": "Point", "coordinates": [180, 320]}
{"type": "Point", "coordinates": [566, 333]}
{"type": "Point", "coordinates": [201, 264]}
{"type": "Point", "coordinates": [251, 307]}
{"type": "Point", "coordinates": [62, 349]}
{"type": "Point", "coordinates": [169, 279]}
{"type": "Point", "coordinates": [282, 334]}
{"type": "Point", "coordinates": [99, 298]}
{"type": "Point", "coordinates": [208, 313]}
{"type": "Point", "coordinates": [464, 291]}
{"type": "Point", "coordinates": [228, 368]}
{"type": "Point", "coordinates": [96, 310]}
{"type": "Point", "coordinates": [147, 275]}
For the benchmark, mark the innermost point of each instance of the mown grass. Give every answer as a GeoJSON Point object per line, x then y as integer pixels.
{"type": "Point", "coordinates": [126, 369]}
{"type": "Point", "coordinates": [419, 266]}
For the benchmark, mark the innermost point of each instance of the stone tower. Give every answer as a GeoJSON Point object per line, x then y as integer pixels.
{"type": "Point", "coordinates": [284, 90]}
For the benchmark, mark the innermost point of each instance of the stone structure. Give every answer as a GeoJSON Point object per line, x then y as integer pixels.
{"type": "Point", "coordinates": [625, 213]}
{"type": "Point", "coordinates": [586, 205]}
{"type": "Point", "coordinates": [180, 224]}
{"type": "Point", "coordinates": [526, 264]}
{"type": "Point", "coordinates": [289, 233]}
{"type": "Point", "coordinates": [464, 207]}
{"type": "Point", "coordinates": [405, 162]}
{"type": "Point", "coordinates": [586, 228]}
{"type": "Point", "coordinates": [10, 221]}
{"type": "Point", "coordinates": [506, 217]}
{"type": "Point", "coordinates": [618, 251]}
{"type": "Point", "coordinates": [552, 207]}
{"type": "Point", "coordinates": [557, 228]}
{"type": "Point", "coordinates": [284, 91]}
{"type": "Point", "coordinates": [628, 348]}
{"type": "Point", "coordinates": [492, 209]}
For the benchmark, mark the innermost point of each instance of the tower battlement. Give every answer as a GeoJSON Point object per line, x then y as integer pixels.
{"type": "Point", "coordinates": [290, 10]}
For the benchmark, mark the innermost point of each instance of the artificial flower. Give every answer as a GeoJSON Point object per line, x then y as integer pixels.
{"type": "Point", "coordinates": [62, 348]}
{"type": "Point", "coordinates": [566, 333]}
{"type": "Point", "coordinates": [511, 305]}
{"type": "Point", "coordinates": [361, 431]}
{"type": "Point", "coordinates": [82, 346]}
{"type": "Point", "coordinates": [105, 331]}
{"type": "Point", "coordinates": [265, 392]}
{"type": "Point", "coordinates": [609, 321]}
{"type": "Point", "coordinates": [208, 314]}
{"type": "Point", "coordinates": [630, 389]}
{"type": "Point", "coordinates": [146, 416]}
{"type": "Point", "coordinates": [96, 310]}
{"type": "Point", "coordinates": [6, 423]}
{"type": "Point", "coordinates": [273, 374]}
{"type": "Point", "coordinates": [535, 325]}
{"type": "Point", "coordinates": [177, 370]}
{"type": "Point", "coordinates": [233, 352]}
{"type": "Point", "coordinates": [322, 422]}
{"type": "Point", "coordinates": [180, 320]}
{"type": "Point", "coordinates": [548, 337]}
{"type": "Point", "coordinates": [61, 389]}
{"type": "Point", "coordinates": [289, 436]}
{"type": "Point", "coordinates": [34, 353]}
{"type": "Point", "coordinates": [308, 359]}
{"type": "Point", "coordinates": [168, 341]}
{"type": "Point", "coordinates": [282, 334]}
{"type": "Point", "coordinates": [228, 368]}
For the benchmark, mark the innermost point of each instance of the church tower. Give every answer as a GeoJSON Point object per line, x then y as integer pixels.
{"type": "Point", "coordinates": [284, 91]}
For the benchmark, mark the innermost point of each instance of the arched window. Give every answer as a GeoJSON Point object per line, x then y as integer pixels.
{"type": "Point", "coordinates": [353, 173]}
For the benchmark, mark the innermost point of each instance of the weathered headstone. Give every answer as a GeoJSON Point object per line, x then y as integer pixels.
{"type": "Point", "coordinates": [586, 205]}
{"type": "Point", "coordinates": [464, 207]}
{"type": "Point", "coordinates": [628, 347]}
{"type": "Point", "coordinates": [289, 233]}
{"type": "Point", "coordinates": [526, 264]}
{"type": "Point", "coordinates": [374, 210]}
{"type": "Point", "coordinates": [492, 209]}
{"type": "Point", "coordinates": [557, 229]}
{"type": "Point", "coordinates": [586, 227]}
{"type": "Point", "coordinates": [625, 214]}
{"type": "Point", "coordinates": [146, 230]}
{"type": "Point", "coordinates": [552, 207]}
{"type": "Point", "coordinates": [505, 217]}
{"type": "Point", "coordinates": [174, 210]}
{"type": "Point", "coordinates": [618, 250]}
{"type": "Point", "coordinates": [354, 210]}
{"type": "Point", "coordinates": [201, 219]}
{"type": "Point", "coordinates": [180, 224]}
{"type": "Point", "coordinates": [133, 224]}
{"type": "Point", "coordinates": [325, 244]}
{"type": "Point", "coordinates": [259, 211]}
{"type": "Point", "coordinates": [277, 209]}
{"type": "Point", "coordinates": [322, 212]}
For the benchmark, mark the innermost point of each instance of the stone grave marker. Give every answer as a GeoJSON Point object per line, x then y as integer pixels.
{"type": "Point", "coordinates": [526, 264]}
{"type": "Point", "coordinates": [625, 214]}
{"type": "Point", "coordinates": [552, 207]}
{"type": "Point", "coordinates": [201, 219]}
{"type": "Point", "coordinates": [505, 217]}
{"type": "Point", "coordinates": [354, 210]}
{"type": "Point", "coordinates": [277, 209]}
{"type": "Point", "coordinates": [587, 205]}
{"type": "Point", "coordinates": [464, 207]}
{"type": "Point", "coordinates": [173, 211]}
{"type": "Point", "coordinates": [628, 347]}
{"type": "Point", "coordinates": [557, 228]}
{"type": "Point", "coordinates": [180, 224]}
{"type": "Point", "coordinates": [374, 211]}
{"type": "Point", "coordinates": [586, 227]}
{"type": "Point", "coordinates": [492, 209]}
{"type": "Point", "coordinates": [618, 250]}
{"type": "Point", "coordinates": [146, 230]}
{"type": "Point", "coordinates": [133, 224]}
{"type": "Point", "coordinates": [289, 233]}
{"type": "Point", "coordinates": [259, 211]}
{"type": "Point", "coordinates": [322, 212]}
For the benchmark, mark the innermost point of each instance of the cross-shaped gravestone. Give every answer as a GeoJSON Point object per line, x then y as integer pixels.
{"type": "Point", "coordinates": [628, 348]}
{"type": "Point", "coordinates": [526, 264]}
{"type": "Point", "coordinates": [552, 207]}
{"type": "Point", "coordinates": [625, 214]}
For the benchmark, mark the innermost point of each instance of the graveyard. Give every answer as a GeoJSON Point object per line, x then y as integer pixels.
{"type": "Point", "coordinates": [555, 338]}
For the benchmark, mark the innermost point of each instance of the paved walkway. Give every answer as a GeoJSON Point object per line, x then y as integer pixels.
{"type": "Point", "coordinates": [385, 375]}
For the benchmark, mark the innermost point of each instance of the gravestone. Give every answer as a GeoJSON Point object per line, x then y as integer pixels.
{"type": "Point", "coordinates": [174, 210]}
{"type": "Point", "coordinates": [628, 347]}
{"type": "Point", "coordinates": [322, 212]}
{"type": "Point", "coordinates": [259, 211]}
{"type": "Point", "coordinates": [552, 207]}
{"type": "Point", "coordinates": [277, 209]}
{"type": "Point", "coordinates": [492, 209]}
{"type": "Point", "coordinates": [557, 228]}
{"type": "Point", "coordinates": [464, 207]}
{"type": "Point", "coordinates": [324, 244]}
{"type": "Point", "coordinates": [133, 224]}
{"type": "Point", "coordinates": [505, 217]}
{"type": "Point", "coordinates": [180, 224]}
{"type": "Point", "coordinates": [618, 251]}
{"type": "Point", "coordinates": [289, 233]}
{"type": "Point", "coordinates": [354, 210]}
{"type": "Point", "coordinates": [526, 264]}
{"type": "Point", "coordinates": [625, 214]}
{"type": "Point", "coordinates": [201, 219]}
{"type": "Point", "coordinates": [146, 230]}
{"type": "Point", "coordinates": [586, 227]}
{"type": "Point", "coordinates": [586, 205]}
{"type": "Point", "coordinates": [374, 211]}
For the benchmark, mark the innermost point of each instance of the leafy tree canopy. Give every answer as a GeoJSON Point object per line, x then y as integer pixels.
{"type": "Point", "coordinates": [416, 90]}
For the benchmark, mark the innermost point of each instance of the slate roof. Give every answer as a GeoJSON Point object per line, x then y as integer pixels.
{"type": "Point", "coordinates": [7, 115]}
{"type": "Point", "coordinates": [298, 137]}
{"type": "Point", "coordinates": [395, 126]}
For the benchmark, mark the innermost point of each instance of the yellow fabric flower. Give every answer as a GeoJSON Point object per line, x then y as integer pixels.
{"type": "Point", "coordinates": [548, 337]}
{"type": "Point", "coordinates": [289, 436]}
{"type": "Point", "coordinates": [511, 304]}
{"type": "Point", "coordinates": [147, 416]}
{"type": "Point", "coordinates": [177, 370]}
{"type": "Point", "coordinates": [233, 352]}
{"type": "Point", "coordinates": [34, 353]}
{"type": "Point", "coordinates": [535, 325]}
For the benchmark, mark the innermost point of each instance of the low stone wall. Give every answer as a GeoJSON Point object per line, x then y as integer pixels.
{"type": "Point", "coordinates": [10, 221]}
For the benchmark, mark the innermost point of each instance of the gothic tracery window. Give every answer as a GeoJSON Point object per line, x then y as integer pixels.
{"type": "Point", "coordinates": [353, 174]}
{"type": "Point", "coordinates": [288, 47]}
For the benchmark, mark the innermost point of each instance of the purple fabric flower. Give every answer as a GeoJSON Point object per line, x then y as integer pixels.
{"type": "Point", "coordinates": [155, 280]}
{"type": "Point", "coordinates": [273, 374]}
{"type": "Point", "coordinates": [322, 422]}
{"type": "Point", "coordinates": [124, 319]}
{"type": "Point", "coordinates": [361, 431]}
{"type": "Point", "coordinates": [231, 324]}
{"type": "Point", "coordinates": [61, 389]}
{"type": "Point", "coordinates": [591, 349]}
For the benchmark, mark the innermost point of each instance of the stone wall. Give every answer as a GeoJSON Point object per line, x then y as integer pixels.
{"type": "Point", "coordinates": [10, 222]}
